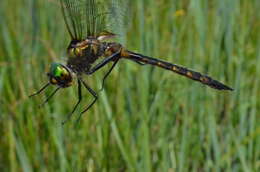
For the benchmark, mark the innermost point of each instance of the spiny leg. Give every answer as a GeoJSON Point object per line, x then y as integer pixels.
{"type": "Point", "coordinates": [75, 107]}
{"type": "Point", "coordinates": [94, 94]}
{"type": "Point", "coordinates": [110, 70]}
{"type": "Point", "coordinates": [38, 92]}
{"type": "Point", "coordinates": [48, 98]}
{"type": "Point", "coordinates": [104, 62]}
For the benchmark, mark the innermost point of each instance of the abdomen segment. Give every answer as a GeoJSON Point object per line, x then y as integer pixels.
{"type": "Point", "coordinates": [204, 79]}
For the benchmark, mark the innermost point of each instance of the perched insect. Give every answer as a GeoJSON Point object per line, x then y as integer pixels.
{"type": "Point", "coordinates": [87, 24]}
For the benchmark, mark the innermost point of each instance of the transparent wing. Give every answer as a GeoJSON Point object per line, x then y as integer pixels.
{"type": "Point", "coordinates": [73, 17]}
{"type": "Point", "coordinates": [117, 17]}
{"type": "Point", "coordinates": [84, 18]}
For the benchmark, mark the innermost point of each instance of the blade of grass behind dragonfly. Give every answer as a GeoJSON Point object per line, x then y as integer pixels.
{"type": "Point", "coordinates": [126, 153]}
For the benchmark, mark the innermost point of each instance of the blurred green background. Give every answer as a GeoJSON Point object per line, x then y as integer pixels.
{"type": "Point", "coordinates": [146, 119]}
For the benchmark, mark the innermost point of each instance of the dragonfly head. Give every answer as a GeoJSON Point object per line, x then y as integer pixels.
{"type": "Point", "coordinates": [60, 75]}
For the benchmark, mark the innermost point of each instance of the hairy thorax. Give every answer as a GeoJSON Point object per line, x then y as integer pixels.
{"type": "Point", "coordinates": [83, 54]}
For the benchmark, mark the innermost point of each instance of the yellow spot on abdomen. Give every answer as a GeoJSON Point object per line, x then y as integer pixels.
{"type": "Point", "coordinates": [174, 68]}
{"type": "Point", "coordinates": [189, 74]}
{"type": "Point", "coordinates": [203, 79]}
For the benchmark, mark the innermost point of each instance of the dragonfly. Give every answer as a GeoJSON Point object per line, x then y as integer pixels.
{"type": "Point", "coordinates": [87, 22]}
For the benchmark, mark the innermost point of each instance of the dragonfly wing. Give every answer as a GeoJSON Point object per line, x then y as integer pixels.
{"type": "Point", "coordinates": [73, 16]}
{"type": "Point", "coordinates": [93, 18]}
{"type": "Point", "coordinates": [118, 11]}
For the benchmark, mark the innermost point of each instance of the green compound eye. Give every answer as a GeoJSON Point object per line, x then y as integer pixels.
{"type": "Point", "coordinates": [57, 70]}
{"type": "Point", "coordinates": [60, 75]}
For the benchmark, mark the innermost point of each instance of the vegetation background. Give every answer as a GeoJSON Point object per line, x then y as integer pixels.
{"type": "Point", "coordinates": [146, 119]}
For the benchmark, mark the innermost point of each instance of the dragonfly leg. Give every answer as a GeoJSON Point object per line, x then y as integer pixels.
{"type": "Point", "coordinates": [94, 94]}
{"type": "Point", "coordinates": [104, 62]}
{"type": "Point", "coordinates": [75, 107]}
{"type": "Point", "coordinates": [38, 92]}
{"type": "Point", "coordinates": [48, 98]}
{"type": "Point", "coordinates": [110, 70]}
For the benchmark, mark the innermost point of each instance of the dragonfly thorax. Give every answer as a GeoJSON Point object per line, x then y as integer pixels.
{"type": "Point", "coordinates": [83, 54]}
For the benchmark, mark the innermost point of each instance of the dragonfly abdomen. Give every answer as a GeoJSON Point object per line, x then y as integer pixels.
{"type": "Point", "coordinates": [204, 79]}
